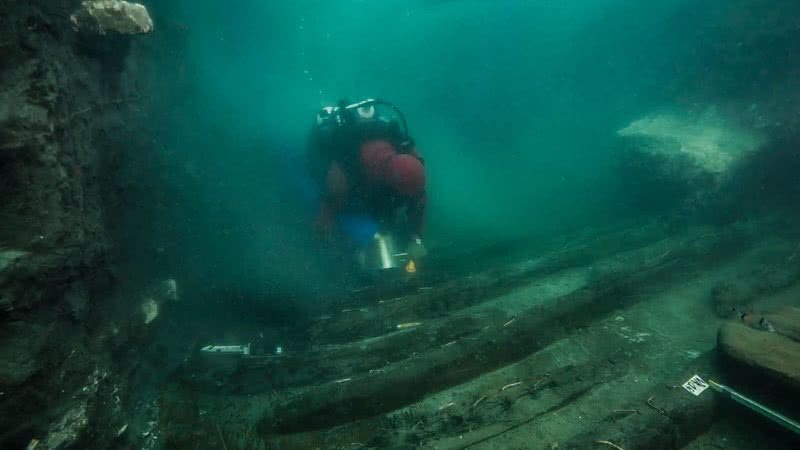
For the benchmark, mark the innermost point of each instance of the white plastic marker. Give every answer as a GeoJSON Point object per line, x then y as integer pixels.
{"type": "Point", "coordinates": [227, 349]}
{"type": "Point", "coordinates": [697, 385]}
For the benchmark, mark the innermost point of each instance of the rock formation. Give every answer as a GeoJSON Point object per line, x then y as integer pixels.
{"type": "Point", "coordinates": [60, 387]}
{"type": "Point", "coordinates": [687, 157]}
{"type": "Point", "coordinates": [103, 16]}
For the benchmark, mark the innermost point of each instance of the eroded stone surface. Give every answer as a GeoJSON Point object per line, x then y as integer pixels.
{"type": "Point", "coordinates": [58, 106]}
{"type": "Point", "coordinates": [102, 16]}
{"type": "Point", "coordinates": [684, 159]}
{"type": "Point", "coordinates": [709, 143]}
{"type": "Point", "coordinates": [68, 429]}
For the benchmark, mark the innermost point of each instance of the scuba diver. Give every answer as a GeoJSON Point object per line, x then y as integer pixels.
{"type": "Point", "coordinates": [372, 181]}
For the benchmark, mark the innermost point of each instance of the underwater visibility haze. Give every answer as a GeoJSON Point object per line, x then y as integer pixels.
{"type": "Point", "coordinates": [514, 107]}
{"type": "Point", "coordinates": [398, 224]}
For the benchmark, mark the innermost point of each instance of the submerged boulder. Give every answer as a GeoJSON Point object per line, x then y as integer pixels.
{"type": "Point", "coordinates": [103, 16]}
{"type": "Point", "coordinates": [683, 159]}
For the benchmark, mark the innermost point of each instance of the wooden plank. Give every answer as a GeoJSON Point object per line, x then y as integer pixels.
{"type": "Point", "coordinates": [363, 395]}
{"type": "Point", "coordinates": [669, 418]}
{"type": "Point", "coordinates": [768, 352]}
{"type": "Point", "coordinates": [463, 292]}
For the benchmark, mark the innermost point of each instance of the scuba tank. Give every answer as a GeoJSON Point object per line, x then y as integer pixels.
{"type": "Point", "coordinates": [332, 120]}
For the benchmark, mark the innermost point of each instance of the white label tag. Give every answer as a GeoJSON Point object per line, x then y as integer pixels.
{"type": "Point", "coordinates": [695, 385]}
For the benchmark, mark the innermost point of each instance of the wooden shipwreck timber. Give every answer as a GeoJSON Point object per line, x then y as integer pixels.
{"type": "Point", "coordinates": [585, 347]}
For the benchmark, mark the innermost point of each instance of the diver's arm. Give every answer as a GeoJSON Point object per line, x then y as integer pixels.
{"type": "Point", "coordinates": [417, 210]}
{"type": "Point", "coordinates": [417, 215]}
{"type": "Point", "coordinates": [335, 195]}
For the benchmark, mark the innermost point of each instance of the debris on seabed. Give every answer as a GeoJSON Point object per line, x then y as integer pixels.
{"type": "Point", "coordinates": [401, 326]}
{"type": "Point", "coordinates": [443, 407]}
{"type": "Point", "coordinates": [377, 371]}
{"type": "Point", "coordinates": [610, 444]}
{"type": "Point", "coordinates": [478, 401]}
{"type": "Point", "coordinates": [652, 405]}
{"type": "Point", "coordinates": [626, 412]}
{"type": "Point", "coordinates": [391, 300]}
{"type": "Point", "coordinates": [150, 310]}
